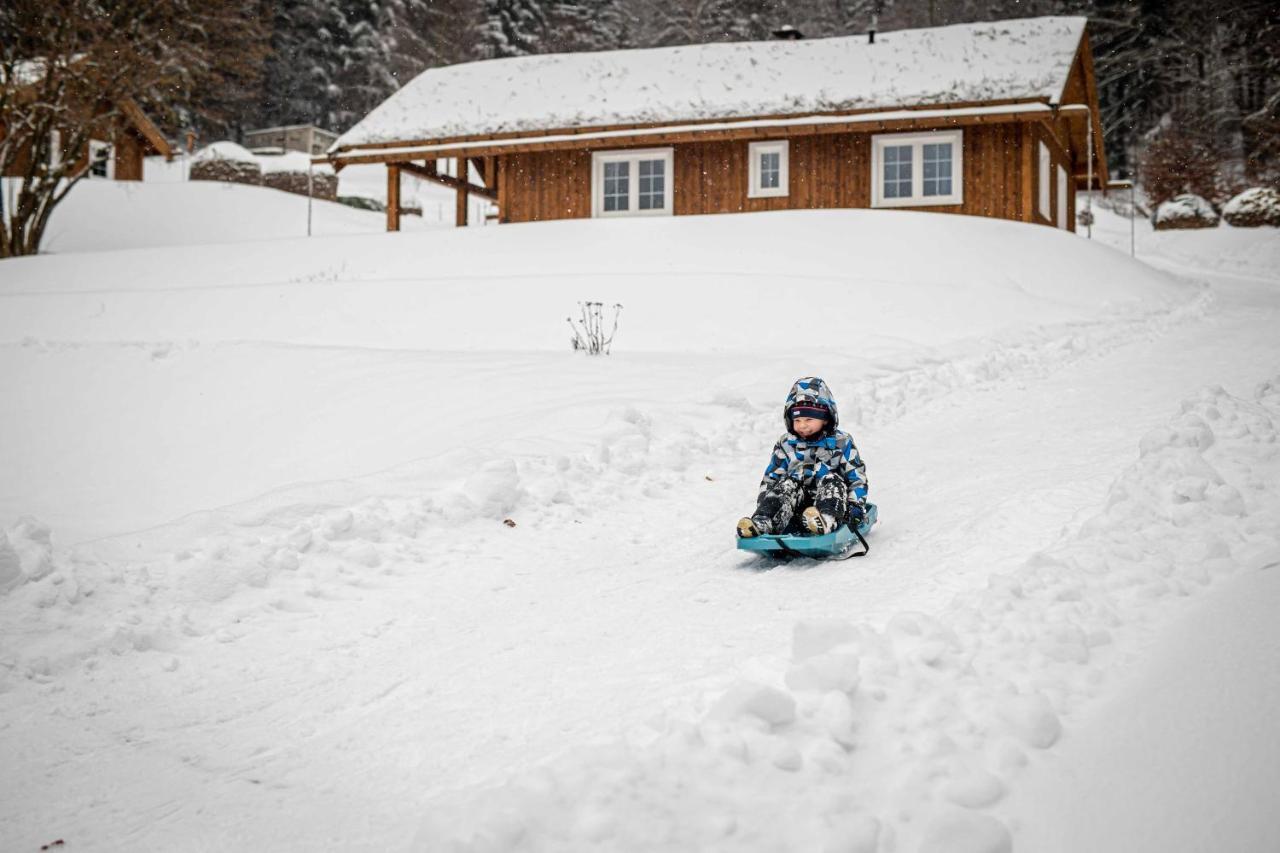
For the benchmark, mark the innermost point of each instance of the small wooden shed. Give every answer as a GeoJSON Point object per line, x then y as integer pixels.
{"type": "Point", "coordinates": [114, 152]}
{"type": "Point", "coordinates": [993, 119]}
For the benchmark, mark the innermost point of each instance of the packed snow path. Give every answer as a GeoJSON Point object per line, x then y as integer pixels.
{"type": "Point", "coordinates": [346, 654]}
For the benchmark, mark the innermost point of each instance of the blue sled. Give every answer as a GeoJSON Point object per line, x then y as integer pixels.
{"type": "Point", "coordinates": [842, 544]}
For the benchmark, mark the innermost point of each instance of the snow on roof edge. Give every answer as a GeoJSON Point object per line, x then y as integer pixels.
{"type": "Point", "coordinates": [442, 148]}
{"type": "Point", "coordinates": [1025, 58]}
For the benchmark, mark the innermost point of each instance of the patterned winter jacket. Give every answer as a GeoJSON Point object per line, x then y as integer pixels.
{"type": "Point", "coordinates": [809, 460]}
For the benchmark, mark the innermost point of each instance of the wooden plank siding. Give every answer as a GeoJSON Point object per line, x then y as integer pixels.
{"type": "Point", "coordinates": [826, 171]}
{"type": "Point", "coordinates": [1059, 155]}
{"type": "Point", "coordinates": [129, 154]}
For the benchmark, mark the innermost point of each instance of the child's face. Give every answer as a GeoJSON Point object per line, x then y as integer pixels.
{"type": "Point", "coordinates": [807, 427]}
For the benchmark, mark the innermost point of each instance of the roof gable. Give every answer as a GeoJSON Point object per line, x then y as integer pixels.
{"type": "Point", "coordinates": [1027, 59]}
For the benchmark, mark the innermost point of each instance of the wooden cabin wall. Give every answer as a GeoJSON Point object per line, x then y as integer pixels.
{"type": "Point", "coordinates": [129, 157]}
{"type": "Point", "coordinates": [1059, 155]}
{"type": "Point", "coordinates": [826, 171]}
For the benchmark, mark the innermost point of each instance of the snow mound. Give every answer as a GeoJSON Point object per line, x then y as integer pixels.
{"type": "Point", "coordinates": [1185, 211]}
{"type": "Point", "coordinates": [26, 553]}
{"type": "Point", "coordinates": [908, 736]}
{"type": "Point", "coordinates": [116, 215]}
{"type": "Point", "coordinates": [225, 150]}
{"type": "Point", "coordinates": [1253, 208]}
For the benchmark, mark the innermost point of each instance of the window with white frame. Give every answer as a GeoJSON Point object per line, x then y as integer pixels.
{"type": "Point", "coordinates": [1062, 197]}
{"type": "Point", "coordinates": [631, 183]}
{"type": "Point", "coordinates": [101, 162]}
{"type": "Point", "coordinates": [917, 169]}
{"type": "Point", "coordinates": [769, 169]}
{"type": "Point", "coordinates": [1046, 163]}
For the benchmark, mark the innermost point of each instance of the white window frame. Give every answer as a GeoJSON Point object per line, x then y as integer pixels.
{"type": "Point", "coordinates": [917, 141]}
{"type": "Point", "coordinates": [1046, 163]}
{"type": "Point", "coordinates": [1063, 219]}
{"type": "Point", "coordinates": [782, 148]}
{"type": "Point", "coordinates": [96, 145]}
{"type": "Point", "coordinates": [599, 158]}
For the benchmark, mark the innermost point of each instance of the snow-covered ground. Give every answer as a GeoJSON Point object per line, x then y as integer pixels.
{"type": "Point", "coordinates": [167, 210]}
{"type": "Point", "coordinates": [279, 608]}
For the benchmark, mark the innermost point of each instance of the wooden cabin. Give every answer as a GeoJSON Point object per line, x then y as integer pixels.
{"type": "Point", "coordinates": [993, 119]}
{"type": "Point", "coordinates": [114, 152]}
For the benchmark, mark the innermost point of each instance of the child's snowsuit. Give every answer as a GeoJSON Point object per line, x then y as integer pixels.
{"type": "Point", "coordinates": [825, 471]}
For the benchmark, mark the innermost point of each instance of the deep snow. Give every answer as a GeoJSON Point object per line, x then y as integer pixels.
{"type": "Point", "coordinates": [339, 658]}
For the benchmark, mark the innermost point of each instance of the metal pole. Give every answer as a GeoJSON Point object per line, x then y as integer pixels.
{"type": "Point", "coordinates": [310, 193]}
{"type": "Point", "coordinates": [1133, 216]}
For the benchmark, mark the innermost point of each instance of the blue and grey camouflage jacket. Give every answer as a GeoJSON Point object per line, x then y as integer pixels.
{"type": "Point", "coordinates": [809, 460]}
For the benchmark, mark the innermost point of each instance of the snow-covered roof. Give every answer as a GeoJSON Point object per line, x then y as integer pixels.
{"type": "Point", "coordinates": [1021, 59]}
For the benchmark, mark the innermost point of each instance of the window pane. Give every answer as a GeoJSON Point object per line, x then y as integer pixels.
{"type": "Point", "coordinates": [617, 185]}
{"type": "Point", "coordinates": [770, 170]}
{"type": "Point", "coordinates": [100, 156]}
{"type": "Point", "coordinates": [937, 168]}
{"type": "Point", "coordinates": [652, 184]}
{"type": "Point", "coordinates": [897, 171]}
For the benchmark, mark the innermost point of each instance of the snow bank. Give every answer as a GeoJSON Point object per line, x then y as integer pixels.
{"type": "Point", "coordinates": [908, 736]}
{"type": "Point", "coordinates": [724, 274]}
{"type": "Point", "coordinates": [116, 215]}
{"type": "Point", "coordinates": [1025, 59]}
{"type": "Point", "coordinates": [1184, 755]}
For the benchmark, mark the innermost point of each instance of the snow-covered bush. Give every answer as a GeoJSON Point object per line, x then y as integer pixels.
{"type": "Point", "coordinates": [360, 202]}
{"type": "Point", "coordinates": [1253, 207]}
{"type": "Point", "coordinates": [226, 161]}
{"type": "Point", "coordinates": [1185, 211]}
{"type": "Point", "coordinates": [288, 172]}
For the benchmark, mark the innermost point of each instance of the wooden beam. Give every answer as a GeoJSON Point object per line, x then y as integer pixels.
{"type": "Point", "coordinates": [516, 135]}
{"type": "Point", "coordinates": [393, 197]}
{"type": "Point", "coordinates": [460, 217]}
{"type": "Point", "coordinates": [719, 135]}
{"type": "Point", "coordinates": [429, 173]}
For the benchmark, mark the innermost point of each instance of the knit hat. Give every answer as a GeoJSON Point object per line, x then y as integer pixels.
{"type": "Point", "coordinates": [810, 410]}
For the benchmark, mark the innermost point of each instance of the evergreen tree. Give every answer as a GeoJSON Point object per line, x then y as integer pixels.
{"type": "Point", "coordinates": [515, 27]}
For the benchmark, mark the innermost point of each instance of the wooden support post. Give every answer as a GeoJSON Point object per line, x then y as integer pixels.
{"type": "Point", "coordinates": [461, 217]}
{"type": "Point", "coordinates": [393, 197]}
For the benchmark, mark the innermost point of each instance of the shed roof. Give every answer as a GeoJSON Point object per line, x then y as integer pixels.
{"type": "Point", "coordinates": [1017, 60]}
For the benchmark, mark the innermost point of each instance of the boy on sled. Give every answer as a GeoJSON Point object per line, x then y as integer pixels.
{"type": "Point", "coordinates": [815, 471]}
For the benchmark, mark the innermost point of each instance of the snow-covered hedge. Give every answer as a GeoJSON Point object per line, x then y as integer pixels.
{"type": "Point", "coordinates": [1185, 211]}
{"type": "Point", "coordinates": [226, 161]}
{"type": "Point", "coordinates": [1253, 207]}
{"type": "Point", "coordinates": [288, 172]}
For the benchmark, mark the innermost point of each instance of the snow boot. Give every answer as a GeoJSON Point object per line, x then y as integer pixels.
{"type": "Point", "coordinates": [816, 523]}
{"type": "Point", "coordinates": [749, 528]}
